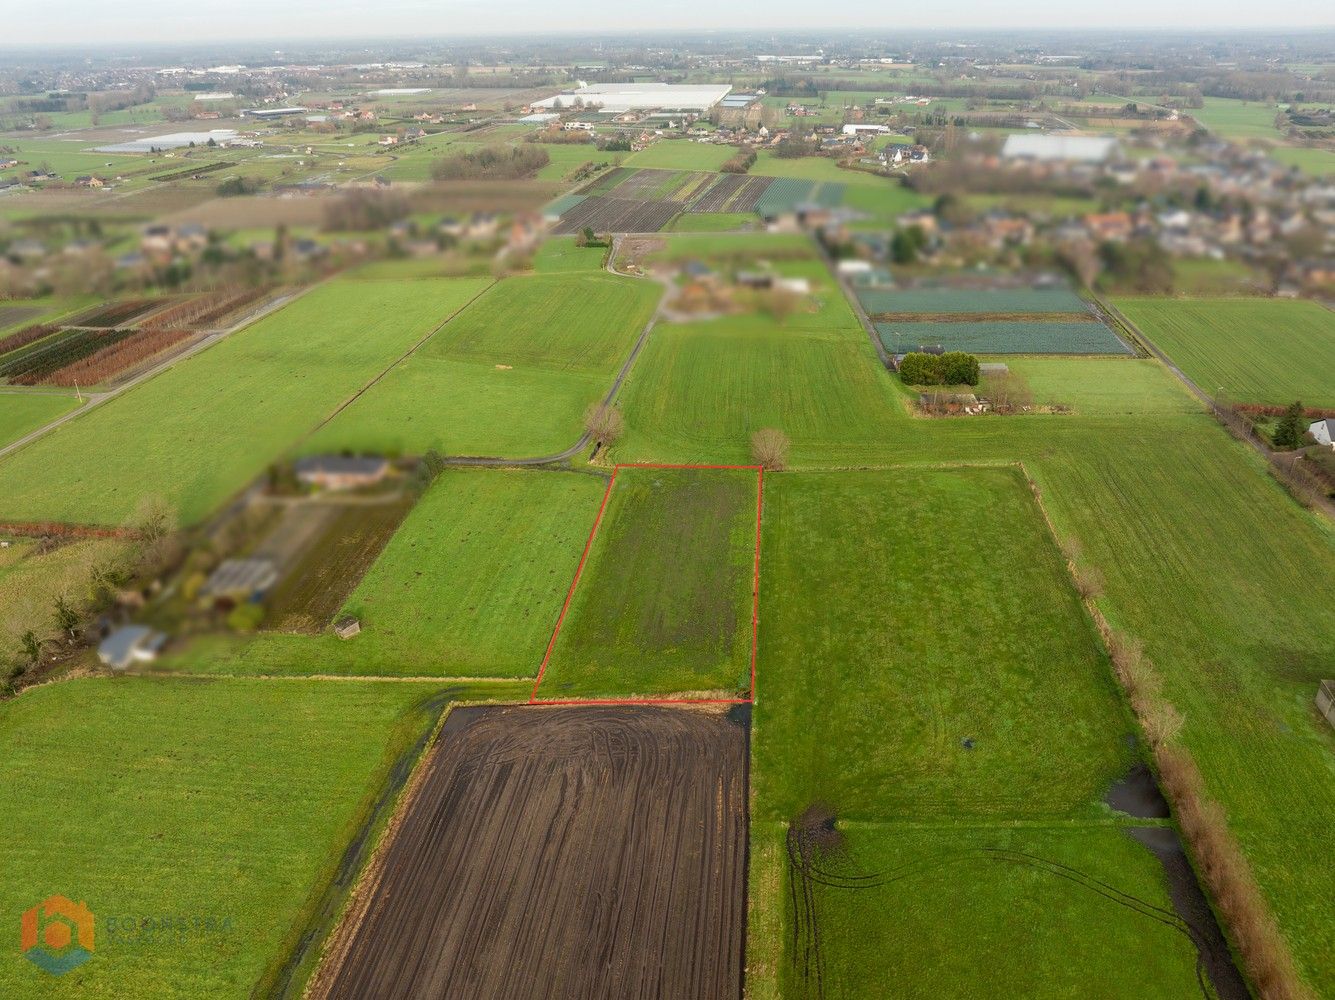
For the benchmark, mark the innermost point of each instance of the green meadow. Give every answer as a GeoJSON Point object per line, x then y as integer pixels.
{"type": "Point", "coordinates": [223, 800]}
{"type": "Point", "coordinates": [664, 602]}
{"type": "Point", "coordinates": [1245, 350]}
{"type": "Point", "coordinates": [22, 413]}
{"type": "Point", "coordinates": [199, 431]}
{"type": "Point", "coordinates": [510, 376]}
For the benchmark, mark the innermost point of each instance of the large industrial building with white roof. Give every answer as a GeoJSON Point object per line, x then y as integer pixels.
{"type": "Point", "coordinates": [618, 98]}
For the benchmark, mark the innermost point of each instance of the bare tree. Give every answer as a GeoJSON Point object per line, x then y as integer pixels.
{"type": "Point", "coordinates": [769, 447]}
{"type": "Point", "coordinates": [780, 303]}
{"type": "Point", "coordinates": [604, 423]}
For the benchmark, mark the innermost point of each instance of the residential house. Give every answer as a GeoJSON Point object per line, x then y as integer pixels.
{"type": "Point", "coordinates": [1323, 432]}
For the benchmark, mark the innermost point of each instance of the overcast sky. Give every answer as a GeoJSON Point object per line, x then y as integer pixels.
{"type": "Point", "coordinates": [112, 21]}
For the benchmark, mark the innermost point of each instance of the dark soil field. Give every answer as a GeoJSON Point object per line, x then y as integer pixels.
{"type": "Point", "coordinates": [732, 193]}
{"type": "Point", "coordinates": [311, 593]}
{"type": "Point", "coordinates": [570, 852]}
{"type": "Point", "coordinates": [618, 215]}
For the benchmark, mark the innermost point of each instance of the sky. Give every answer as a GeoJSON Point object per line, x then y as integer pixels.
{"type": "Point", "coordinates": [118, 21]}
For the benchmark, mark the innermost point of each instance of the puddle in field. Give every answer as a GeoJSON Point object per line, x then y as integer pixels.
{"type": "Point", "coordinates": [1137, 794]}
{"type": "Point", "coordinates": [1213, 956]}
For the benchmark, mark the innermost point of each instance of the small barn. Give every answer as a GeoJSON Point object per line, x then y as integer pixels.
{"type": "Point", "coordinates": [341, 472]}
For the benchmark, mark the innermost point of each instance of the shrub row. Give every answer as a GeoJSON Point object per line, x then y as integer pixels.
{"type": "Point", "coordinates": [115, 358]}
{"type": "Point", "coordinates": [950, 368]}
{"type": "Point", "coordinates": [26, 336]}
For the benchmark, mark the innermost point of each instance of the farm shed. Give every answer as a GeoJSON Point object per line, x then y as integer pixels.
{"type": "Point", "coordinates": [130, 644]}
{"type": "Point", "coordinates": [618, 98]}
{"type": "Point", "coordinates": [1076, 148]}
{"type": "Point", "coordinates": [341, 472]}
{"type": "Point", "coordinates": [241, 578]}
{"type": "Point", "coordinates": [1325, 700]}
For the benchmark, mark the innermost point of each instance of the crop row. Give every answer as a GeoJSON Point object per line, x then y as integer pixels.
{"type": "Point", "coordinates": [116, 357]}
{"type": "Point", "coordinates": [988, 301]}
{"type": "Point", "coordinates": [1001, 337]}
{"type": "Point", "coordinates": [202, 309]}
{"type": "Point", "coordinates": [26, 336]}
{"type": "Point", "coordinates": [114, 313]}
{"type": "Point", "coordinates": [188, 172]}
{"type": "Point", "coordinates": [618, 215]}
{"type": "Point", "coordinates": [732, 193]}
{"type": "Point", "coordinates": [73, 345]}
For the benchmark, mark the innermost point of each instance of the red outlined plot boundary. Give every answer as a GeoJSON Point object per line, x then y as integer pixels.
{"type": "Point", "coordinates": [533, 698]}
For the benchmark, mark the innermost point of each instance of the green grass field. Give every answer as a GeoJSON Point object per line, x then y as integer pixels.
{"type": "Point", "coordinates": [231, 799]}
{"type": "Point", "coordinates": [664, 603]}
{"type": "Point", "coordinates": [199, 431]}
{"type": "Point", "coordinates": [23, 413]}
{"type": "Point", "coordinates": [700, 390]}
{"type": "Point", "coordinates": [510, 376]}
{"type": "Point", "coordinates": [962, 706]}
{"type": "Point", "coordinates": [1257, 350]}
{"type": "Point", "coordinates": [1165, 504]}
{"type": "Point", "coordinates": [472, 583]}
{"type": "Point", "coordinates": [958, 621]}
{"type": "Point", "coordinates": [681, 154]}
{"type": "Point", "coordinates": [560, 254]}
{"type": "Point", "coordinates": [1232, 118]}
{"type": "Point", "coordinates": [977, 912]}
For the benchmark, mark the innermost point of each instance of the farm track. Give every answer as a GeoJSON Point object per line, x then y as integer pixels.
{"type": "Point", "coordinates": [504, 876]}
{"type": "Point", "coordinates": [585, 438]}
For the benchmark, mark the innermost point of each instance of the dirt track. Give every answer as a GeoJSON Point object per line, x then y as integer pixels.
{"type": "Point", "coordinates": [563, 853]}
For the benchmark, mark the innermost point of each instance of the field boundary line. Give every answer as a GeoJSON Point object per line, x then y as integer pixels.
{"type": "Point", "coordinates": [326, 678]}
{"type": "Point", "coordinates": [570, 594]}
{"type": "Point", "coordinates": [392, 365]}
{"type": "Point", "coordinates": [759, 470]}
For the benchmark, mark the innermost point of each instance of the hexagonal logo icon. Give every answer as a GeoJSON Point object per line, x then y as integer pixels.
{"type": "Point", "coordinates": [57, 935]}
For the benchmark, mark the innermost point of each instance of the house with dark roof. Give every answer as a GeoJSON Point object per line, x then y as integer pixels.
{"type": "Point", "coordinates": [1323, 432]}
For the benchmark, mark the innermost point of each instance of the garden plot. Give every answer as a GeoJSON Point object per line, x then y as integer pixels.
{"type": "Point", "coordinates": [978, 301]}
{"type": "Point", "coordinates": [784, 194]}
{"type": "Point", "coordinates": [987, 316]}
{"type": "Point", "coordinates": [617, 215]}
{"type": "Point", "coordinates": [1002, 337]}
{"type": "Point", "coordinates": [576, 852]}
{"type": "Point", "coordinates": [731, 193]}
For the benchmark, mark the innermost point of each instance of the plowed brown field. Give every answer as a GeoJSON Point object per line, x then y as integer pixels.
{"type": "Point", "coordinates": [566, 853]}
